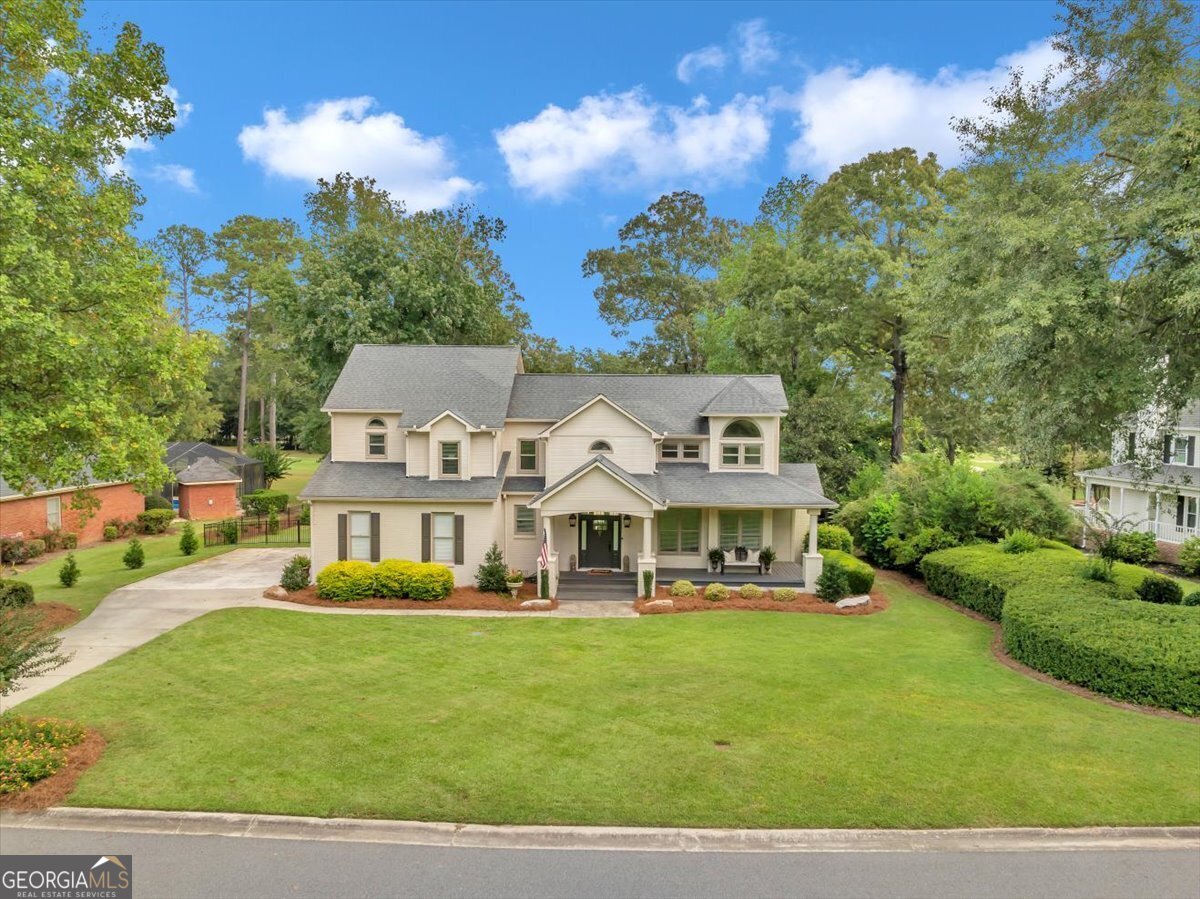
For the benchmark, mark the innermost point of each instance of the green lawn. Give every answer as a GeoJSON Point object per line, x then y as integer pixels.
{"type": "Point", "coordinates": [301, 473]}
{"type": "Point", "coordinates": [101, 570]}
{"type": "Point", "coordinates": [901, 719]}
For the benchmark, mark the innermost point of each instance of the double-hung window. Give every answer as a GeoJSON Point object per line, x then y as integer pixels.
{"type": "Point", "coordinates": [443, 537]}
{"type": "Point", "coordinates": [376, 439]}
{"type": "Point", "coordinates": [525, 523]}
{"type": "Point", "coordinates": [742, 445]}
{"type": "Point", "coordinates": [53, 512]}
{"type": "Point", "coordinates": [527, 455]}
{"type": "Point", "coordinates": [675, 451]}
{"type": "Point", "coordinates": [1180, 450]}
{"type": "Point", "coordinates": [1101, 496]}
{"type": "Point", "coordinates": [360, 536]}
{"type": "Point", "coordinates": [679, 531]}
{"type": "Point", "coordinates": [741, 529]}
{"type": "Point", "coordinates": [450, 460]}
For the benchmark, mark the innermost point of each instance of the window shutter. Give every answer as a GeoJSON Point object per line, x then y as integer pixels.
{"type": "Point", "coordinates": [426, 526]}
{"type": "Point", "coordinates": [460, 523]}
{"type": "Point", "coordinates": [374, 536]}
{"type": "Point", "coordinates": [1191, 456]}
{"type": "Point", "coordinates": [1180, 510]}
{"type": "Point", "coordinates": [343, 535]}
{"type": "Point", "coordinates": [1167, 448]}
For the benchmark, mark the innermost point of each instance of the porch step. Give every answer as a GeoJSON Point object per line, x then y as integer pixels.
{"type": "Point", "coordinates": [576, 586]}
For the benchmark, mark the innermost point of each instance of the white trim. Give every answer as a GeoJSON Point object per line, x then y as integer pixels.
{"type": "Point", "coordinates": [59, 490]}
{"type": "Point", "coordinates": [597, 398]}
{"type": "Point", "coordinates": [596, 463]}
{"type": "Point", "coordinates": [466, 424]}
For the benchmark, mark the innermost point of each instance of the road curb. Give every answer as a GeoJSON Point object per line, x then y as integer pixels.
{"type": "Point", "coordinates": [640, 839]}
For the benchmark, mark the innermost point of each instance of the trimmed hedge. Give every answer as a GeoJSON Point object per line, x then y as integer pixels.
{"type": "Point", "coordinates": [346, 581]}
{"type": "Point", "coordinates": [390, 579]}
{"type": "Point", "coordinates": [834, 536]}
{"type": "Point", "coordinates": [155, 521]}
{"type": "Point", "coordinates": [264, 502]}
{"type": "Point", "coordinates": [14, 594]}
{"type": "Point", "coordinates": [1091, 633]}
{"type": "Point", "coordinates": [860, 574]}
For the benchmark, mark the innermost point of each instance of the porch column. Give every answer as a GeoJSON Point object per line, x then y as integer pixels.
{"type": "Point", "coordinates": [814, 562]}
{"type": "Point", "coordinates": [812, 533]}
{"type": "Point", "coordinates": [646, 561]}
{"type": "Point", "coordinates": [647, 537]}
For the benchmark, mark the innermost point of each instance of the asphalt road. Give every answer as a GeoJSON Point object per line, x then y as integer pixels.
{"type": "Point", "coordinates": [172, 865]}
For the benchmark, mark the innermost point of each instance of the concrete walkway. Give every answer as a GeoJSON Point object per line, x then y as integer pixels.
{"type": "Point", "coordinates": [136, 614]}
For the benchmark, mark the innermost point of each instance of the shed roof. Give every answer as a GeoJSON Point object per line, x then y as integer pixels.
{"type": "Point", "coordinates": [207, 471]}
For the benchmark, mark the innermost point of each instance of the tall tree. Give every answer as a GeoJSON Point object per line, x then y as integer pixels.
{"type": "Point", "coordinates": [183, 250]}
{"type": "Point", "coordinates": [1071, 266]}
{"type": "Point", "coordinates": [255, 255]}
{"type": "Point", "coordinates": [93, 368]}
{"type": "Point", "coordinates": [664, 273]}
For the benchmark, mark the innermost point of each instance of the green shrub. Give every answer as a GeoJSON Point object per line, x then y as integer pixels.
{"type": "Point", "coordinates": [834, 582]}
{"type": "Point", "coordinates": [908, 553]}
{"type": "Point", "coordinates": [276, 463]}
{"type": "Point", "coordinates": [306, 513]}
{"type": "Point", "coordinates": [429, 580]}
{"type": "Point", "coordinates": [35, 547]}
{"type": "Point", "coordinates": [1189, 555]}
{"type": "Point", "coordinates": [53, 539]}
{"type": "Point", "coordinates": [346, 581]}
{"type": "Point", "coordinates": [1161, 589]}
{"type": "Point", "coordinates": [853, 516]}
{"type": "Point", "coordinates": [544, 582]}
{"type": "Point", "coordinates": [716, 592]}
{"type": "Point", "coordinates": [188, 541]}
{"type": "Point", "coordinates": [785, 594]}
{"type": "Point", "coordinates": [878, 529]}
{"type": "Point", "coordinates": [1192, 599]}
{"type": "Point", "coordinates": [1020, 541]}
{"type": "Point", "coordinates": [155, 521]}
{"type": "Point", "coordinates": [861, 575]}
{"type": "Point", "coordinates": [14, 594]}
{"type": "Point", "coordinates": [492, 574]}
{"type": "Point", "coordinates": [157, 501]}
{"type": "Point", "coordinates": [750, 591]}
{"type": "Point", "coordinates": [264, 502]}
{"type": "Point", "coordinates": [273, 522]}
{"type": "Point", "coordinates": [31, 750]}
{"type": "Point", "coordinates": [68, 574]}
{"type": "Point", "coordinates": [647, 584]}
{"type": "Point", "coordinates": [135, 555]}
{"type": "Point", "coordinates": [1021, 499]}
{"type": "Point", "coordinates": [1085, 632]}
{"type": "Point", "coordinates": [229, 531]}
{"type": "Point", "coordinates": [834, 536]}
{"type": "Point", "coordinates": [1095, 569]}
{"type": "Point", "coordinates": [1135, 548]}
{"type": "Point", "coordinates": [683, 588]}
{"type": "Point", "coordinates": [296, 574]}
{"type": "Point", "coordinates": [391, 578]}
{"type": "Point", "coordinates": [13, 550]}
{"type": "Point", "coordinates": [111, 533]}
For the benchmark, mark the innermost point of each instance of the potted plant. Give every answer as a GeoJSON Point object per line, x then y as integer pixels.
{"type": "Point", "coordinates": [766, 556]}
{"type": "Point", "coordinates": [515, 578]}
{"type": "Point", "coordinates": [715, 558]}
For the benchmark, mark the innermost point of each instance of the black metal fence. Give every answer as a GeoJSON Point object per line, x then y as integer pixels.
{"type": "Point", "coordinates": [289, 526]}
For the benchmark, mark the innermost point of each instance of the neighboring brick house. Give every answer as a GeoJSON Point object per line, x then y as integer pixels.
{"type": "Point", "coordinates": [207, 489]}
{"type": "Point", "coordinates": [33, 515]}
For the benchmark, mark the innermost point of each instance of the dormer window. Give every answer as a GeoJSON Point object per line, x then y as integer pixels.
{"type": "Point", "coordinates": [450, 460]}
{"type": "Point", "coordinates": [742, 445]}
{"type": "Point", "coordinates": [600, 446]}
{"type": "Point", "coordinates": [676, 451]}
{"type": "Point", "coordinates": [377, 439]}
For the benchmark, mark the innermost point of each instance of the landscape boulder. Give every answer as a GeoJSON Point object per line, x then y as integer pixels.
{"type": "Point", "coordinates": [275, 592]}
{"type": "Point", "coordinates": [660, 605]}
{"type": "Point", "coordinates": [851, 601]}
{"type": "Point", "coordinates": [537, 604]}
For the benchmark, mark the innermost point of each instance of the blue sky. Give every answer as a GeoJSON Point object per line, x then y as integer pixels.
{"type": "Point", "coordinates": [564, 120]}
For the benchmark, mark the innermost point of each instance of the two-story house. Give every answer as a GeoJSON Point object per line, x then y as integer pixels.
{"type": "Point", "coordinates": [1163, 497]}
{"type": "Point", "coordinates": [438, 452]}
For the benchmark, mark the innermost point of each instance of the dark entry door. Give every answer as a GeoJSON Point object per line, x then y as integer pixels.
{"type": "Point", "coordinates": [599, 541]}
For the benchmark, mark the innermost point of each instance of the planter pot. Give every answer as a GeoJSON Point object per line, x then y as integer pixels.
{"type": "Point", "coordinates": [514, 587]}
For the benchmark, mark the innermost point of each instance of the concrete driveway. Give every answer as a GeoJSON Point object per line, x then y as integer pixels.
{"type": "Point", "coordinates": [136, 614]}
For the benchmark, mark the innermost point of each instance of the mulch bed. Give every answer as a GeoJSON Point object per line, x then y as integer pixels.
{"type": "Point", "coordinates": [56, 615]}
{"type": "Point", "coordinates": [804, 602]}
{"type": "Point", "coordinates": [460, 598]}
{"type": "Point", "coordinates": [58, 786]}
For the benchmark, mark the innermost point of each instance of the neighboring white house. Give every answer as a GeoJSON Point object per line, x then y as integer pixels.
{"type": "Point", "coordinates": [1164, 497]}
{"type": "Point", "coordinates": [437, 452]}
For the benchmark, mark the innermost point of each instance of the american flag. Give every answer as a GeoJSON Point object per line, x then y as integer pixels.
{"type": "Point", "coordinates": [544, 556]}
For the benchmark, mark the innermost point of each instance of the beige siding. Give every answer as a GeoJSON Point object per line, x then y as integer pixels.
{"type": "Point", "coordinates": [400, 531]}
{"type": "Point", "coordinates": [633, 447]}
{"type": "Point", "coordinates": [520, 552]}
{"type": "Point", "coordinates": [418, 454]}
{"type": "Point", "coordinates": [448, 430]}
{"type": "Point", "coordinates": [515, 431]}
{"type": "Point", "coordinates": [348, 436]}
{"type": "Point", "coordinates": [483, 462]}
{"type": "Point", "coordinates": [781, 538]}
{"type": "Point", "coordinates": [770, 431]}
{"type": "Point", "coordinates": [596, 491]}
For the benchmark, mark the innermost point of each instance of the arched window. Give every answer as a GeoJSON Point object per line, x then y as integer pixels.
{"type": "Point", "coordinates": [742, 428]}
{"type": "Point", "coordinates": [600, 446]}
{"type": "Point", "coordinates": [376, 439]}
{"type": "Point", "coordinates": [742, 445]}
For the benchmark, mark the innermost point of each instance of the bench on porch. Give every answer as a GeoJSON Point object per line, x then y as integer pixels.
{"type": "Point", "coordinates": [732, 562]}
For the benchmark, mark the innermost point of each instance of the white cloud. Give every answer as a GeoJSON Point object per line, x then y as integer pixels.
{"type": "Point", "coordinates": [629, 140]}
{"type": "Point", "coordinates": [756, 47]}
{"type": "Point", "coordinates": [845, 113]}
{"type": "Point", "coordinates": [341, 136]}
{"type": "Point", "coordinates": [694, 63]}
{"type": "Point", "coordinates": [123, 165]}
{"type": "Point", "coordinates": [179, 175]}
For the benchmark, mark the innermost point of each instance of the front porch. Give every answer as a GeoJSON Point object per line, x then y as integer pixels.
{"type": "Point", "coordinates": [783, 574]}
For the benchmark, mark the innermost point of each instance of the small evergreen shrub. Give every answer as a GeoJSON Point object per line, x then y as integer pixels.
{"type": "Point", "coordinates": [647, 584]}
{"type": "Point", "coordinates": [188, 541]}
{"type": "Point", "coordinates": [492, 574]}
{"type": "Point", "coordinates": [878, 528]}
{"type": "Point", "coordinates": [111, 533]}
{"type": "Point", "coordinates": [35, 547]}
{"type": "Point", "coordinates": [306, 513]}
{"type": "Point", "coordinates": [1160, 589]}
{"type": "Point", "coordinates": [273, 522]}
{"type": "Point", "coordinates": [429, 581]}
{"type": "Point", "coordinates": [544, 583]}
{"type": "Point", "coordinates": [68, 574]}
{"type": "Point", "coordinates": [1020, 541]}
{"type": "Point", "coordinates": [750, 591]}
{"type": "Point", "coordinates": [229, 531]}
{"type": "Point", "coordinates": [785, 594]}
{"type": "Point", "coordinates": [157, 501]}
{"type": "Point", "coordinates": [1189, 555]}
{"type": "Point", "coordinates": [1096, 569]}
{"type": "Point", "coordinates": [683, 588]}
{"type": "Point", "coordinates": [264, 502]}
{"type": "Point", "coordinates": [391, 578]}
{"type": "Point", "coordinates": [14, 594]}
{"type": "Point", "coordinates": [1135, 548]}
{"type": "Point", "coordinates": [716, 592]}
{"type": "Point", "coordinates": [861, 575]}
{"type": "Point", "coordinates": [1192, 599]}
{"type": "Point", "coordinates": [907, 553]}
{"type": "Point", "coordinates": [834, 582]}
{"type": "Point", "coordinates": [834, 536]}
{"type": "Point", "coordinates": [346, 581]}
{"type": "Point", "coordinates": [296, 574]}
{"type": "Point", "coordinates": [155, 521]}
{"type": "Point", "coordinates": [135, 555]}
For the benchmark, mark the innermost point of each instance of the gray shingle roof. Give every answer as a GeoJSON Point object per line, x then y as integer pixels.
{"type": "Point", "coordinates": [1165, 475]}
{"type": "Point", "coordinates": [474, 382]}
{"type": "Point", "coordinates": [524, 484]}
{"type": "Point", "coordinates": [206, 471]}
{"type": "Point", "coordinates": [671, 404]}
{"type": "Point", "coordinates": [643, 482]}
{"type": "Point", "coordinates": [7, 490]}
{"type": "Point", "coordinates": [388, 480]}
{"type": "Point", "coordinates": [190, 450]}
{"type": "Point", "coordinates": [739, 397]}
{"type": "Point", "coordinates": [691, 483]}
